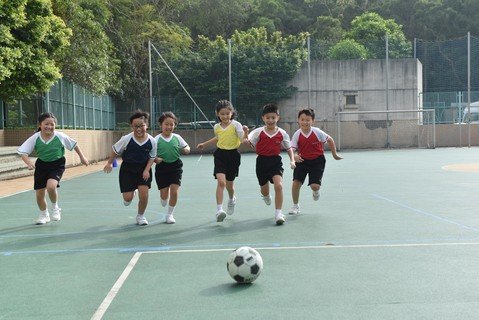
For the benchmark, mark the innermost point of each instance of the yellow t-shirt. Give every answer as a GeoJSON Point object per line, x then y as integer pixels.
{"type": "Point", "coordinates": [229, 138]}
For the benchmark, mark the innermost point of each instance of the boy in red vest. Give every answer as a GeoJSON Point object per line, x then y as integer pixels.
{"type": "Point", "coordinates": [268, 142]}
{"type": "Point", "coordinates": [308, 142]}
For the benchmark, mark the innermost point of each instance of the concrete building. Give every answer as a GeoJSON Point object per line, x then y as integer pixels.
{"type": "Point", "coordinates": [355, 85]}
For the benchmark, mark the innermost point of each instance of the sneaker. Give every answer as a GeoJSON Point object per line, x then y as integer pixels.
{"type": "Point", "coordinates": [43, 218]}
{"type": "Point", "coordinates": [164, 202]}
{"type": "Point", "coordinates": [56, 215]}
{"type": "Point", "coordinates": [316, 195]}
{"type": "Point", "coordinates": [231, 206]}
{"type": "Point", "coordinates": [266, 199]}
{"type": "Point", "coordinates": [170, 219]}
{"type": "Point", "coordinates": [294, 209]}
{"type": "Point", "coordinates": [279, 219]}
{"type": "Point", "coordinates": [141, 220]}
{"type": "Point", "coordinates": [220, 216]}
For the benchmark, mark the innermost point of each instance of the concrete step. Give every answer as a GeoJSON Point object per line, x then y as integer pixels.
{"type": "Point", "coordinates": [10, 158]}
{"type": "Point", "coordinates": [16, 174]}
{"type": "Point", "coordinates": [8, 151]}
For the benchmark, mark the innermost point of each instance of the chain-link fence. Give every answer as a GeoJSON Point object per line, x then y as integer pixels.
{"type": "Point", "coordinates": [73, 106]}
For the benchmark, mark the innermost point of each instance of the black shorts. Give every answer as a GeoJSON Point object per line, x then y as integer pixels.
{"type": "Point", "coordinates": [131, 176]}
{"type": "Point", "coordinates": [227, 162]}
{"type": "Point", "coordinates": [47, 170]}
{"type": "Point", "coordinates": [315, 169]}
{"type": "Point", "coordinates": [167, 174]}
{"type": "Point", "coordinates": [267, 167]}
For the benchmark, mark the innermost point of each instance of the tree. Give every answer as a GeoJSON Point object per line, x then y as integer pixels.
{"type": "Point", "coordinates": [90, 61]}
{"type": "Point", "coordinates": [347, 49]}
{"type": "Point", "coordinates": [370, 30]}
{"type": "Point", "coordinates": [133, 24]}
{"type": "Point", "coordinates": [31, 40]}
{"type": "Point", "coordinates": [262, 66]}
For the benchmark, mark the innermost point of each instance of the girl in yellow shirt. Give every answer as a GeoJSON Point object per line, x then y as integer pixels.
{"type": "Point", "coordinates": [229, 134]}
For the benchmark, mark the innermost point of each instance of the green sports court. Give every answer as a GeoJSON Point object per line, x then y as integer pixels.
{"type": "Point", "coordinates": [395, 235]}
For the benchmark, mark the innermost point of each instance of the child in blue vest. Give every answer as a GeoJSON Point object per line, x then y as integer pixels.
{"type": "Point", "coordinates": [138, 151]}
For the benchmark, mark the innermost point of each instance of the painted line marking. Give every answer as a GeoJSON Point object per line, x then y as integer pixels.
{"type": "Point", "coordinates": [116, 288]}
{"type": "Point", "coordinates": [424, 213]}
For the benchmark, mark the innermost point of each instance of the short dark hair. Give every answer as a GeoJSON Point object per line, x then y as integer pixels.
{"type": "Point", "coordinates": [167, 114]}
{"type": "Point", "coordinates": [140, 114]}
{"type": "Point", "coordinates": [270, 108]}
{"type": "Point", "coordinates": [306, 111]}
{"type": "Point", "coordinates": [225, 104]}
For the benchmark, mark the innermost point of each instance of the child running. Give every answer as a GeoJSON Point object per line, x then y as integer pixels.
{"type": "Point", "coordinates": [308, 142]}
{"type": "Point", "coordinates": [169, 167]}
{"type": "Point", "coordinates": [229, 134]}
{"type": "Point", "coordinates": [49, 145]}
{"type": "Point", "coordinates": [138, 150]}
{"type": "Point", "coordinates": [268, 142]}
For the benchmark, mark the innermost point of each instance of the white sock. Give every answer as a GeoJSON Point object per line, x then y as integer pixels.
{"type": "Point", "coordinates": [170, 210]}
{"type": "Point", "coordinates": [278, 211]}
{"type": "Point", "coordinates": [232, 199]}
{"type": "Point", "coordinates": [219, 207]}
{"type": "Point", "coordinates": [316, 192]}
{"type": "Point", "coordinates": [45, 212]}
{"type": "Point", "coordinates": [54, 205]}
{"type": "Point", "coordinates": [164, 202]}
{"type": "Point", "coordinates": [126, 203]}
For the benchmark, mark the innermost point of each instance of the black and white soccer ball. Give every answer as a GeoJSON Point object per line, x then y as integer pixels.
{"type": "Point", "coordinates": [244, 264]}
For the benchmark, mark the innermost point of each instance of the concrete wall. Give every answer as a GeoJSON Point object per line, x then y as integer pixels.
{"type": "Point", "coordinates": [2, 138]}
{"type": "Point", "coordinates": [332, 81]}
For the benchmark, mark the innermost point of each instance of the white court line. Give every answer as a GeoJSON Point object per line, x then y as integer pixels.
{"type": "Point", "coordinates": [405, 245]}
{"type": "Point", "coordinates": [116, 287]}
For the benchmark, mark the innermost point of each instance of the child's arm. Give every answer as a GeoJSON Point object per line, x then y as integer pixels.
{"type": "Point", "coordinates": [28, 162]}
{"type": "Point", "coordinates": [109, 164]}
{"type": "Point", "coordinates": [146, 172]}
{"type": "Point", "coordinates": [82, 157]}
{"type": "Point", "coordinates": [332, 147]}
{"type": "Point", "coordinates": [201, 146]}
{"type": "Point", "coordinates": [186, 150]}
{"type": "Point", "coordinates": [292, 162]}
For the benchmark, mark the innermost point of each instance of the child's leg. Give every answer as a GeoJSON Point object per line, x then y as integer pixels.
{"type": "Point", "coordinates": [315, 187]}
{"type": "Point", "coordinates": [52, 190]}
{"type": "Point", "coordinates": [164, 194]}
{"type": "Point", "coordinates": [41, 202]}
{"type": "Point", "coordinates": [278, 191]}
{"type": "Point", "coordinates": [128, 196]}
{"type": "Point", "coordinates": [295, 191]}
{"type": "Point", "coordinates": [174, 188]}
{"type": "Point", "coordinates": [264, 189]}
{"type": "Point", "coordinates": [220, 187]}
{"type": "Point", "coordinates": [230, 188]}
{"type": "Point", "coordinates": [143, 198]}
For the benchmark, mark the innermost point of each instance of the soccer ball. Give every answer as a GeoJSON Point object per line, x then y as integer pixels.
{"type": "Point", "coordinates": [244, 265]}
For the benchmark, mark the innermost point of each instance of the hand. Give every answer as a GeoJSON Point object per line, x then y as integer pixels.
{"type": "Point", "coordinates": [146, 175]}
{"type": "Point", "coordinates": [337, 156]}
{"type": "Point", "coordinates": [292, 164]}
{"type": "Point", "coordinates": [84, 161]}
{"type": "Point", "coordinates": [31, 166]}
{"type": "Point", "coordinates": [298, 158]}
{"type": "Point", "coordinates": [200, 146]}
{"type": "Point", "coordinates": [245, 130]}
{"type": "Point", "coordinates": [108, 167]}
{"type": "Point", "coordinates": [158, 160]}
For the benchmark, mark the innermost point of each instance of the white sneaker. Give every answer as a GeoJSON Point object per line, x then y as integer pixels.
{"type": "Point", "coordinates": [141, 220]}
{"type": "Point", "coordinates": [164, 202]}
{"type": "Point", "coordinates": [279, 219]}
{"type": "Point", "coordinates": [220, 216]}
{"type": "Point", "coordinates": [231, 206]}
{"type": "Point", "coordinates": [56, 215]}
{"type": "Point", "coordinates": [170, 219]}
{"type": "Point", "coordinates": [266, 199]}
{"type": "Point", "coordinates": [294, 209]}
{"type": "Point", "coordinates": [43, 218]}
{"type": "Point", "coordinates": [316, 195]}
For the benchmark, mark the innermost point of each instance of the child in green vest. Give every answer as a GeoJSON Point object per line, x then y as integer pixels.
{"type": "Point", "coordinates": [49, 145]}
{"type": "Point", "coordinates": [169, 167]}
